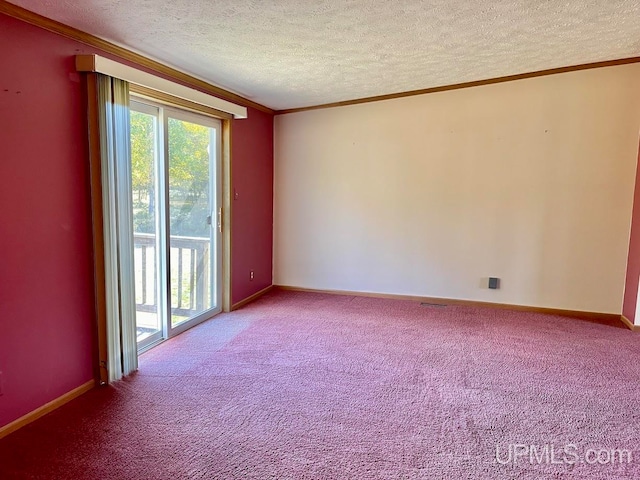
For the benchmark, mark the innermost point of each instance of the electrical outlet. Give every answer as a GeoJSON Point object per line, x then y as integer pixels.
{"type": "Point", "coordinates": [251, 275]}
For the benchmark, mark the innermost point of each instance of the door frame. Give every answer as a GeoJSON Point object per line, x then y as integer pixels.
{"type": "Point", "coordinates": [163, 111]}
{"type": "Point", "coordinates": [216, 180]}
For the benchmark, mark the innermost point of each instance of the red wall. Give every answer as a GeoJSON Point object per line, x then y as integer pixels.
{"type": "Point", "coordinates": [633, 262]}
{"type": "Point", "coordinates": [252, 204]}
{"type": "Point", "coordinates": [46, 277]}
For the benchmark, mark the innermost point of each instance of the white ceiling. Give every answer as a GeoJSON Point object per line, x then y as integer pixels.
{"type": "Point", "coordinates": [296, 53]}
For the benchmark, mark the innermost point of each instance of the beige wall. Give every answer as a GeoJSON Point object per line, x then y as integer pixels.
{"type": "Point", "coordinates": [530, 181]}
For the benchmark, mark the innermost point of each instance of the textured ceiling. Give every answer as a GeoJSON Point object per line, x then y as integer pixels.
{"type": "Point", "coordinates": [295, 53]}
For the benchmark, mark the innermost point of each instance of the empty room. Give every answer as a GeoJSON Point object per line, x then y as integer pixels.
{"type": "Point", "coordinates": [319, 240]}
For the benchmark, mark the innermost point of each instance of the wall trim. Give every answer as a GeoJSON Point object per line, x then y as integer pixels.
{"type": "Point", "coordinates": [458, 86]}
{"type": "Point", "coordinates": [227, 207]}
{"type": "Point", "coordinates": [175, 74]}
{"type": "Point", "coordinates": [46, 408]}
{"type": "Point", "coordinates": [592, 316]}
{"type": "Point", "coordinates": [124, 53]}
{"type": "Point", "coordinates": [629, 324]}
{"type": "Point", "coordinates": [250, 299]}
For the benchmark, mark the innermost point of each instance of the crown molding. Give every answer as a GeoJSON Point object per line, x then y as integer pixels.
{"type": "Point", "coordinates": [125, 54]}
{"type": "Point", "coordinates": [458, 86]}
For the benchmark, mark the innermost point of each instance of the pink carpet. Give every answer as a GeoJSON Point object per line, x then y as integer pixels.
{"type": "Point", "coordinates": [311, 386]}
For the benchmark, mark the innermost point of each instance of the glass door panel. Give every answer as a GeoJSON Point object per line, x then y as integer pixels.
{"type": "Point", "coordinates": [193, 206]}
{"type": "Point", "coordinates": [144, 155]}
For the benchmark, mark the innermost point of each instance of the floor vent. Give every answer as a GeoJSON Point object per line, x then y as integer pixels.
{"type": "Point", "coordinates": [426, 304]}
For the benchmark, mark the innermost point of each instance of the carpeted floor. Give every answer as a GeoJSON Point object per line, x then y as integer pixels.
{"type": "Point", "coordinates": [302, 386]}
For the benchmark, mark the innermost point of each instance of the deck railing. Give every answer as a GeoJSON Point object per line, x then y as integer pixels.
{"type": "Point", "coordinates": [189, 257]}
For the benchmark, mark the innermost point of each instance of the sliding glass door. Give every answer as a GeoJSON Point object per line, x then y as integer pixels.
{"type": "Point", "coordinates": [193, 212]}
{"type": "Point", "coordinates": [176, 177]}
{"type": "Point", "coordinates": [145, 175]}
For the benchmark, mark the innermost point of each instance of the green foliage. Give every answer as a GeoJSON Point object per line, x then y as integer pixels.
{"type": "Point", "coordinates": [188, 176]}
{"type": "Point", "coordinates": [142, 153]}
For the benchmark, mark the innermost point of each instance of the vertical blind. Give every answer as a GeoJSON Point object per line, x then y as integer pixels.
{"type": "Point", "coordinates": [114, 131]}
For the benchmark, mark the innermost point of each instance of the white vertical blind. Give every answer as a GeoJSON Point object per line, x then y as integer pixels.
{"type": "Point", "coordinates": [113, 109]}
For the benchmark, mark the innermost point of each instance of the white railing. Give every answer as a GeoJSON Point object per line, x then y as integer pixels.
{"type": "Point", "coordinates": [189, 257]}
